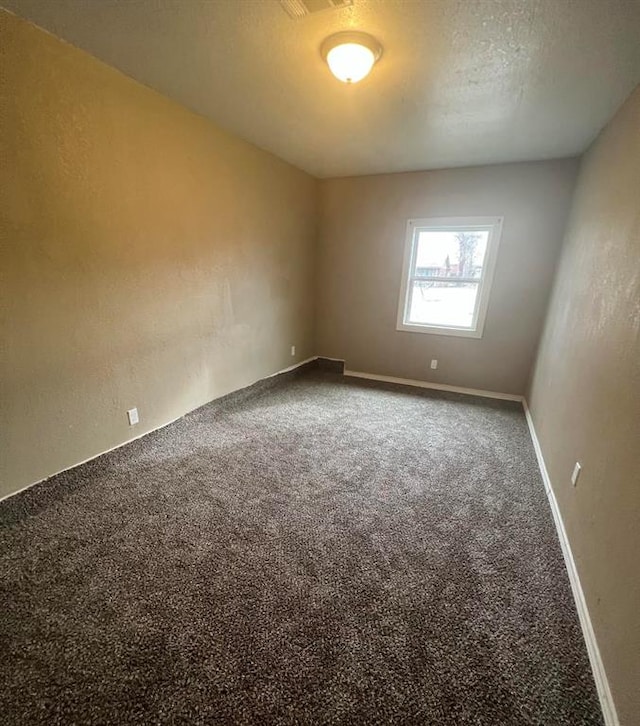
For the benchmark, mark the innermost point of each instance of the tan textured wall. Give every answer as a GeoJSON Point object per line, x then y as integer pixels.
{"type": "Point", "coordinates": [585, 396]}
{"type": "Point", "coordinates": [362, 238]}
{"type": "Point", "coordinates": [148, 259]}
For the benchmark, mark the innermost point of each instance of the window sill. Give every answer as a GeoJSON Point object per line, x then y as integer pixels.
{"type": "Point", "coordinates": [437, 330]}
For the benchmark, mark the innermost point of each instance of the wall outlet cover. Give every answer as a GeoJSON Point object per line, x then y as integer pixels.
{"type": "Point", "coordinates": [132, 415]}
{"type": "Point", "coordinates": [576, 473]}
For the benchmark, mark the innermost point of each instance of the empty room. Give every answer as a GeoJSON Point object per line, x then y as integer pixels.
{"type": "Point", "coordinates": [320, 362]}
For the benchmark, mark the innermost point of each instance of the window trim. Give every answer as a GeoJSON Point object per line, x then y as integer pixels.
{"type": "Point", "coordinates": [484, 282]}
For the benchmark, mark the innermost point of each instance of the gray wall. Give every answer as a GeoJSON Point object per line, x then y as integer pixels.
{"type": "Point", "coordinates": [585, 396]}
{"type": "Point", "coordinates": [362, 235]}
{"type": "Point", "coordinates": [147, 258]}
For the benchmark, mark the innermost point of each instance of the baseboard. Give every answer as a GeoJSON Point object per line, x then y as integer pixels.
{"type": "Point", "coordinates": [597, 666]}
{"type": "Point", "coordinates": [146, 433]}
{"type": "Point", "coordinates": [435, 386]}
{"type": "Point", "coordinates": [91, 458]}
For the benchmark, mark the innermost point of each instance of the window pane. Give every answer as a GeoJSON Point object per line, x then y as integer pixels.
{"type": "Point", "coordinates": [451, 253]}
{"type": "Point", "coordinates": [442, 303]}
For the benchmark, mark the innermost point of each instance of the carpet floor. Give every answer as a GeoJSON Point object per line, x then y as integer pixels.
{"type": "Point", "coordinates": [316, 551]}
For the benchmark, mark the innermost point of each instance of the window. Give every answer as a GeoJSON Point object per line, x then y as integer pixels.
{"type": "Point", "coordinates": [447, 274]}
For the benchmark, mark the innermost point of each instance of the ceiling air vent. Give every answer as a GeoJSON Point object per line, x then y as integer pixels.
{"type": "Point", "coordinates": [299, 8]}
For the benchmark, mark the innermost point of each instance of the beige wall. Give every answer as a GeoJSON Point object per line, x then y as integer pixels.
{"type": "Point", "coordinates": [585, 396]}
{"type": "Point", "coordinates": [362, 238]}
{"type": "Point", "coordinates": [148, 259]}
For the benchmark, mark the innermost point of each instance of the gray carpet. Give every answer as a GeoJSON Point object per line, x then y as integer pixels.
{"type": "Point", "coordinates": [317, 551]}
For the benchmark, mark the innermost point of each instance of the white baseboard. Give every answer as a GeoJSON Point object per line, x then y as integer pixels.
{"type": "Point", "coordinates": [91, 458]}
{"type": "Point", "coordinates": [597, 666]}
{"type": "Point", "coordinates": [435, 386]}
{"type": "Point", "coordinates": [146, 433]}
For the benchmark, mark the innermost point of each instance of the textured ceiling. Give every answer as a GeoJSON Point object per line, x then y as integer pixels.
{"type": "Point", "coordinates": [460, 82]}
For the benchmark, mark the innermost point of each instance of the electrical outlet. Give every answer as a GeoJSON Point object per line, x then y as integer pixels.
{"type": "Point", "coordinates": [132, 415]}
{"type": "Point", "coordinates": [293, 350]}
{"type": "Point", "coordinates": [576, 473]}
{"type": "Point", "coordinates": [434, 364]}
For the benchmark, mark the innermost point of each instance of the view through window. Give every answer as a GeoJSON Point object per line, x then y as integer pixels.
{"type": "Point", "coordinates": [445, 274]}
{"type": "Point", "coordinates": [444, 288]}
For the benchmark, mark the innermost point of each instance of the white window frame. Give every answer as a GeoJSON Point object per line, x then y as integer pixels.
{"type": "Point", "coordinates": [443, 224]}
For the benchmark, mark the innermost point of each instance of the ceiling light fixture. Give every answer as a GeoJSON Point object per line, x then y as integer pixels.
{"type": "Point", "coordinates": [350, 55]}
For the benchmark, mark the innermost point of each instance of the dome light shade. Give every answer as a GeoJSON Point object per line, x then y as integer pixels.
{"type": "Point", "coordinates": [350, 56]}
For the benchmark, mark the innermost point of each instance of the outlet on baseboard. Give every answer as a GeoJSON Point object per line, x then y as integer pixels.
{"type": "Point", "coordinates": [434, 363]}
{"type": "Point", "coordinates": [132, 415]}
{"type": "Point", "coordinates": [293, 350]}
{"type": "Point", "coordinates": [576, 473]}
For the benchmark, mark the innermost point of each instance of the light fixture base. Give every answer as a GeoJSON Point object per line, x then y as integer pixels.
{"type": "Point", "coordinates": [351, 36]}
